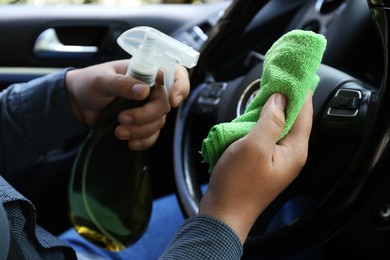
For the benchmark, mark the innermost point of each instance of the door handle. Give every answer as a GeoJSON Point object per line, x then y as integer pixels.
{"type": "Point", "coordinates": [47, 45]}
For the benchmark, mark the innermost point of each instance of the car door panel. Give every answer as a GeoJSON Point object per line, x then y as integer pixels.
{"type": "Point", "coordinates": [81, 26]}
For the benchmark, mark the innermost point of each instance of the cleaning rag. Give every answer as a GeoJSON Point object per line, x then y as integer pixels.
{"type": "Point", "coordinates": [290, 67]}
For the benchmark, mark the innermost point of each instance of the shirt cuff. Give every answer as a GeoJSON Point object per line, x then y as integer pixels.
{"type": "Point", "coordinates": [204, 237]}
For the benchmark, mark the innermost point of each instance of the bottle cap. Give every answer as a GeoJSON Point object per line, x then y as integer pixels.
{"type": "Point", "coordinates": [152, 50]}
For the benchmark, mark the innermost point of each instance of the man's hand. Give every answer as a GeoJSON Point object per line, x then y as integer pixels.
{"type": "Point", "coordinates": [92, 88]}
{"type": "Point", "coordinates": [254, 170]}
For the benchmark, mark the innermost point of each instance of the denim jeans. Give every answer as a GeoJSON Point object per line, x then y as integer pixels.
{"type": "Point", "coordinates": [165, 221]}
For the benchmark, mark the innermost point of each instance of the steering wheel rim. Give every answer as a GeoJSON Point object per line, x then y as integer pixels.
{"type": "Point", "coordinates": [349, 192]}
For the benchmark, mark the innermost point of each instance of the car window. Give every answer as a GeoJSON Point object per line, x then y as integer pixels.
{"type": "Point", "coordinates": [105, 2]}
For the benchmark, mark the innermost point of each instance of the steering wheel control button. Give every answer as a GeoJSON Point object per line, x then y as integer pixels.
{"type": "Point", "coordinates": [210, 97]}
{"type": "Point", "coordinates": [346, 111]}
{"type": "Point", "coordinates": [345, 103]}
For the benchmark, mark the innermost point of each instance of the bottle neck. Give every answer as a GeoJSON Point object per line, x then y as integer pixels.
{"type": "Point", "coordinates": [140, 70]}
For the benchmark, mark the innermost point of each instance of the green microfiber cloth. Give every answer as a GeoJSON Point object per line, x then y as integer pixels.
{"type": "Point", "coordinates": [290, 67]}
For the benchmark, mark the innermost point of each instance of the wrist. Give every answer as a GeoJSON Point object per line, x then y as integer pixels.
{"type": "Point", "coordinates": [71, 96]}
{"type": "Point", "coordinates": [240, 221]}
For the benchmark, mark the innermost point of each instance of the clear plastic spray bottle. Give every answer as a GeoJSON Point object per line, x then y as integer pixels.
{"type": "Point", "coordinates": [110, 194]}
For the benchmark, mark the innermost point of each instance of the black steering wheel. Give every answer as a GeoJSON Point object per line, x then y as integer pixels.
{"type": "Point", "coordinates": [347, 151]}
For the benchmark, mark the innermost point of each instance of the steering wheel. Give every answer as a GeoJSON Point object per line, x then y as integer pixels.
{"type": "Point", "coordinates": [348, 144]}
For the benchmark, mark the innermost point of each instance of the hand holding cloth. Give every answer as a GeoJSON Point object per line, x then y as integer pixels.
{"type": "Point", "coordinates": [290, 67]}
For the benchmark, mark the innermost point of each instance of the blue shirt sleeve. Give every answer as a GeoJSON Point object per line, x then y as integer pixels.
{"type": "Point", "coordinates": [204, 237]}
{"type": "Point", "coordinates": [36, 118]}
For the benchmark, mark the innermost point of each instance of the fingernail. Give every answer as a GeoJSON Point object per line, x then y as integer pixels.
{"type": "Point", "coordinates": [138, 89]}
{"type": "Point", "coordinates": [280, 101]}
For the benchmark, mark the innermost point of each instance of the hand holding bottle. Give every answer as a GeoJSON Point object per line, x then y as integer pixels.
{"type": "Point", "coordinates": [109, 193]}
{"type": "Point", "coordinates": [91, 89]}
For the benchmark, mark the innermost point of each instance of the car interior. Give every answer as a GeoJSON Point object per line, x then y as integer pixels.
{"type": "Point", "coordinates": [342, 194]}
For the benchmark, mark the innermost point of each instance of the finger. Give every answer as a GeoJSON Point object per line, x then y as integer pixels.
{"type": "Point", "coordinates": [155, 108]}
{"type": "Point", "coordinates": [303, 124]}
{"type": "Point", "coordinates": [271, 122]}
{"type": "Point", "coordinates": [125, 87]}
{"type": "Point", "coordinates": [120, 66]}
{"type": "Point", "coordinates": [143, 144]}
{"type": "Point", "coordinates": [300, 131]}
{"type": "Point", "coordinates": [139, 132]}
{"type": "Point", "coordinates": [181, 87]}
{"type": "Point", "coordinates": [113, 83]}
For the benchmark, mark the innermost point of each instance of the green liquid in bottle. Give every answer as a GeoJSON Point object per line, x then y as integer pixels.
{"type": "Point", "coordinates": [110, 194]}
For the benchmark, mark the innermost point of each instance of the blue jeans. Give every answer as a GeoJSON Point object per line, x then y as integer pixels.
{"type": "Point", "coordinates": [165, 221]}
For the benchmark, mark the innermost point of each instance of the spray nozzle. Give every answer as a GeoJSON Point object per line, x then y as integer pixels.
{"type": "Point", "coordinates": [152, 50]}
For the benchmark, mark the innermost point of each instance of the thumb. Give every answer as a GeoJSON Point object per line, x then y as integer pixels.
{"type": "Point", "coordinates": [271, 122]}
{"type": "Point", "coordinates": [126, 87]}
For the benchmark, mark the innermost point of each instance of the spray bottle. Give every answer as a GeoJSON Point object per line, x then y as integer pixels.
{"type": "Point", "coordinates": [110, 195]}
